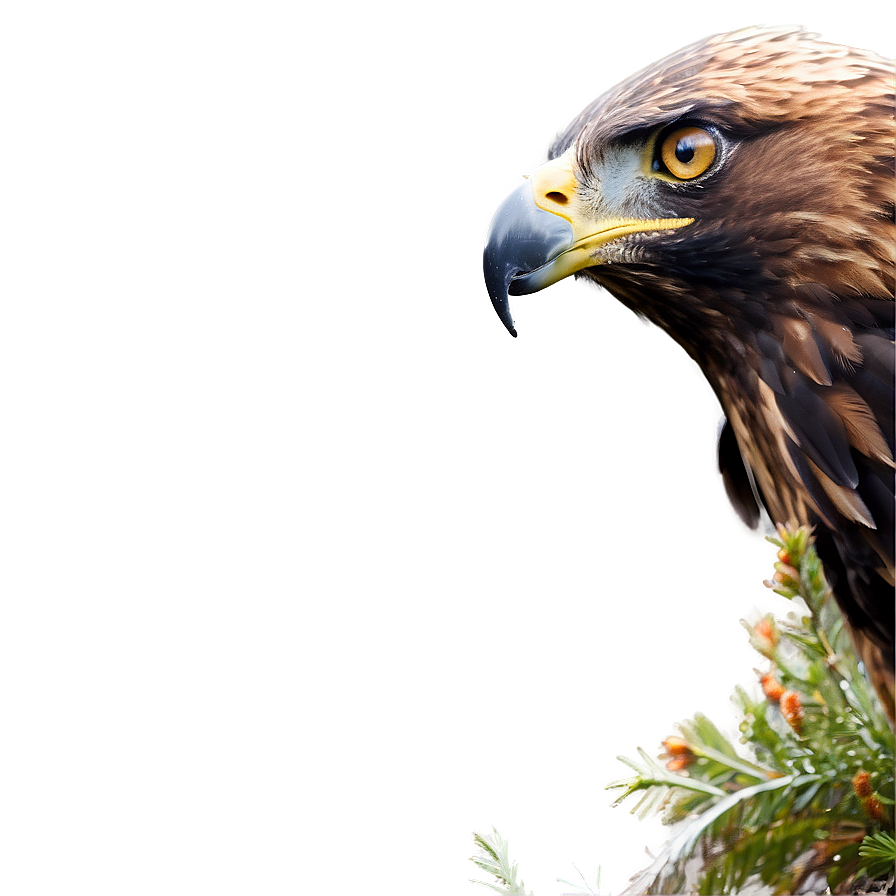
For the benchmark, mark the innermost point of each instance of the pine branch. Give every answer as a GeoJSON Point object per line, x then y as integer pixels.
{"type": "Point", "coordinates": [879, 852]}
{"type": "Point", "coordinates": [588, 889]}
{"type": "Point", "coordinates": [806, 805]}
{"type": "Point", "coordinates": [681, 846]}
{"type": "Point", "coordinates": [494, 859]}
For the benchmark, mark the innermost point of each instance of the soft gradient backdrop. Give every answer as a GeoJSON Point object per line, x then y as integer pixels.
{"type": "Point", "coordinates": [309, 569]}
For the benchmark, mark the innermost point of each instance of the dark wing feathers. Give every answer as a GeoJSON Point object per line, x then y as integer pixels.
{"type": "Point", "coordinates": [878, 395]}
{"type": "Point", "coordinates": [832, 386]}
{"type": "Point", "coordinates": [877, 492]}
{"type": "Point", "coordinates": [877, 354]}
{"type": "Point", "coordinates": [819, 432]}
{"type": "Point", "coordinates": [737, 478]}
{"type": "Point", "coordinates": [808, 474]}
{"type": "Point", "coordinates": [771, 360]}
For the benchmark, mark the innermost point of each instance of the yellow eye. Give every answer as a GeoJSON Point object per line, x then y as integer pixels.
{"type": "Point", "coordinates": [687, 152]}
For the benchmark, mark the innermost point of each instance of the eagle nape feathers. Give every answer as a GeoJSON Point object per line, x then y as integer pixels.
{"type": "Point", "coordinates": [740, 195]}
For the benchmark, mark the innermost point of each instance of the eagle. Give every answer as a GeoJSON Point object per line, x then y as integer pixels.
{"type": "Point", "coordinates": [739, 194]}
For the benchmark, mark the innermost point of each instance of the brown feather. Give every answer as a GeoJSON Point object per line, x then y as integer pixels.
{"type": "Point", "coordinates": [863, 430]}
{"type": "Point", "coordinates": [845, 500]}
{"type": "Point", "coordinates": [838, 340]}
{"type": "Point", "coordinates": [798, 342]}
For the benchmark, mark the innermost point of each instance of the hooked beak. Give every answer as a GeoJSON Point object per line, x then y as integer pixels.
{"type": "Point", "coordinates": [542, 233]}
{"type": "Point", "coordinates": [522, 239]}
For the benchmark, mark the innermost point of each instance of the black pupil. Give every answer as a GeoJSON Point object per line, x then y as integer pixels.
{"type": "Point", "coordinates": [684, 151]}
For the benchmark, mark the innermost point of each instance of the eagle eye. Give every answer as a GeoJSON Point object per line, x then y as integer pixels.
{"type": "Point", "coordinates": [685, 152]}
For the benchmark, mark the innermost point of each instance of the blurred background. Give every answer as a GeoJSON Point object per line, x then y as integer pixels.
{"type": "Point", "coordinates": [309, 569]}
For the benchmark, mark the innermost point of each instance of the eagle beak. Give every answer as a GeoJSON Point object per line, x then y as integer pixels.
{"type": "Point", "coordinates": [524, 241]}
{"type": "Point", "coordinates": [543, 232]}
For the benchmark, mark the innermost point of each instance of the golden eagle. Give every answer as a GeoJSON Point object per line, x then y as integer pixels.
{"type": "Point", "coordinates": [740, 195]}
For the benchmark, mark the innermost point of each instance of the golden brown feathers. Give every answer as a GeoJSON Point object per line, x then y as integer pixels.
{"type": "Point", "coordinates": [782, 288]}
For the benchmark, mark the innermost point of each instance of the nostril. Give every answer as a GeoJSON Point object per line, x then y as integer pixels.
{"type": "Point", "coordinates": [559, 198]}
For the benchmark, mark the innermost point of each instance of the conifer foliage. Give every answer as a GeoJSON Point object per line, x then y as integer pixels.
{"type": "Point", "coordinates": [804, 802]}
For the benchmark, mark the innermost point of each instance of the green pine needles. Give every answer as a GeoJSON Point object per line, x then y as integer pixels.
{"type": "Point", "coordinates": [494, 858]}
{"type": "Point", "coordinates": [804, 803]}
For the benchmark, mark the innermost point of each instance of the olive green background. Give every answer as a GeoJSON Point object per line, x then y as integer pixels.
{"type": "Point", "coordinates": [308, 569]}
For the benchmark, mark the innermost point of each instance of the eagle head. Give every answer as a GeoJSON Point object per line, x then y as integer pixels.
{"type": "Point", "coordinates": [738, 164]}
